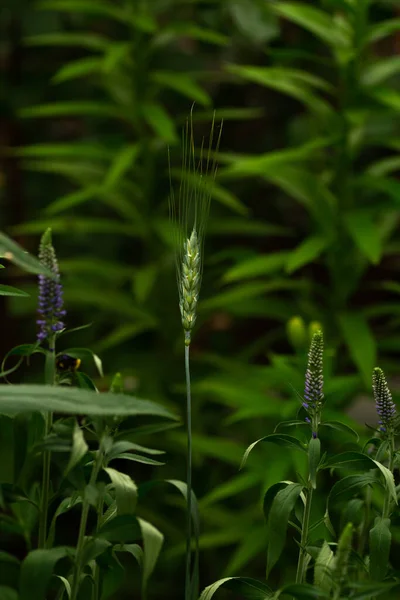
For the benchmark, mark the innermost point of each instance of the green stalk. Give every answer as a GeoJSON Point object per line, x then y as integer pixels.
{"type": "Point", "coordinates": [96, 588]}
{"type": "Point", "coordinates": [188, 474]}
{"type": "Point", "coordinates": [387, 502]}
{"type": "Point", "coordinates": [82, 526]}
{"type": "Point", "coordinates": [50, 378]}
{"type": "Point", "coordinates": [304, 536]}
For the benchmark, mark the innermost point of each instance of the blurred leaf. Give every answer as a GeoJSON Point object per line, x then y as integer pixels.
{"type": "Point", "coordinates": [256, 266]}
{"type": "Point", "coordinates": [183, 84]}
{"type": "Point", "coordinates": [68, 109]}
{"type": "Point", "coordinates": [158, 119]}
{"type": "Point", "coordinates": [320, 23]}
{"type": "Point", "coordinates": [360, 342]}
{"type": "Point", "coordinates": [377, 72]}
{"type": "Point", "coordinates": [308, 251]}
{"type": "Point", "coordinates": [78, 68]}
{"type": "Point", "coordinates": [288, 81]}
{"type": "Point", "coordinates": [382, 29]}
{"type": "Point", "coordinates": [125, 491]}
{"type": "Point", "coordinates": [258, 25]}
{"type": "Point", "coordinates": [303, 591]}
{"type": "Point", "coordinates": [380, 539]}
{"type": "Point", "coordinates": [122, 162]}
{"type": "Point", "coordinates": [79, 448]}
{"type": "Point", "coordinates": [193, 31]}
{"type": "Point", "coordinates": [84, 39]}
{"type": "Point", "coordinates": [7, 593]}
{"type": "Point", "coordinates": [361, 225]}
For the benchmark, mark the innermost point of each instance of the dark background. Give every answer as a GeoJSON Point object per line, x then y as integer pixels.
{"type": "Point", "coordinates": [303, 226]}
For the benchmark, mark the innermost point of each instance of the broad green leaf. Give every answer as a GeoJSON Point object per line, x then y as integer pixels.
{"type": "Point", "coordinates": [314, 454]}
{"type": "Point", "coordinates": [182, 83]}
{"type": "Point", "coordinates": [324, 567]}
{"type": "Point", "coordinates": [250, 589]}
{"type": "Point", "coordinates": [37, 570]}
{"type": "Point", "coordinates": [120, 529]}
{"type": "Point", "coordinates": [280, 439]}
{"type": "Point", "coordinates": [380, 539]}
{"type": "Point", "coordinates": [78, 68]}
{"type": "Point", "coordinates": [320, 23]}
{"type": "Point", "coordinates": [158, 119]}
{"type": "Point", "coordinates": [270, 495]}
{"type": "Point", "coordinates": [361, 226]}
{"type": "Point", "coordinates": [18, 398]}
{"type": "Point", "coordinates": [8, 290]}
{"type": "Point", "coordinates": [125, 491]}
{"type": "Point", "coordinates": [360, 341]}
{"type": "Point", "coordinates": [191, 30]}
{"type": "Point", "coordinates": [350, 460]}
{"type": "Point", "coordinates": [15, 254]}
{"type": "Point", "coordinates": [278, 519]}
{"type": "Point", "coordinates": [338, 426]}
{"type": "Point", "coordinates": [257, 266]}
{"type": "Point", "coordinates": [122, 162]}
{"type": "Point", "coordinates": [308, 251]}
{"type": "Point", "coordinates": [152, 544]}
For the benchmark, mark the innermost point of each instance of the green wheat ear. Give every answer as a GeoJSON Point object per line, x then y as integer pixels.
{"type": "Point", "coordinates": [189, 211]}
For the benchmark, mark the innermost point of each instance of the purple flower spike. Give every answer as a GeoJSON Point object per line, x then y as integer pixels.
{"type": "Point", "coordinates": [385, 407]}
{"type": "Point", "coordinates": [314, 435]}
{"type": "Point", "coordinates": [50, 305]}
{"type": "Point", "coordinates": [307, 420]}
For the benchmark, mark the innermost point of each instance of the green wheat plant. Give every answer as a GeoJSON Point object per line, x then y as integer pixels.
{"type": "Point", "coordinates": [189, 210]}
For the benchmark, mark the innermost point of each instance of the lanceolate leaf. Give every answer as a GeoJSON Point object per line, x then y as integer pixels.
{"type": "Point", "coordinates": [15, 254]}
{"type": "Point", "coordinates": [361, 225]}
{"type": "Point", "coordinates": [8, 290]}
{"type": "Point", "coordinates": [125, 491]}
{"type": "Point", "coordinates": [152, 543]}
{"type": "Point", "coordinates": [340, 427]}
{"type": "Point", "coordinates": [278, 518]}
{"type": "Point", "coordinates": [360, 342]}
{"type": "Point", "coordinates": [306, 252]}
{"type": "Point", "coordinates": [323, 571]}
{"type": "Point", "coordinates": [20, 398]}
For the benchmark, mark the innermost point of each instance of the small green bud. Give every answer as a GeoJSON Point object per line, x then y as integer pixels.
{"type": "Point", "coordinates": [117, 384]}
{"type": "Point", "coordinates": [314, 327]}
{"type": "Point", "coordinates": [296, 332]}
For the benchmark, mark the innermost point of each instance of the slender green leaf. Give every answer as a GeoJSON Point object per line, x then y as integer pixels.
{"type": "Point", "coordinates": [79, 448]}
{"type": "Point", "coordinates": [302, 591]}
{"type": "Point", "coordinates": [307, 252]}
{"type": "Point", "coordinates": [280, 439]}
{"type": "Point", "coordinates": [324, 568]}
{"type": "Point", "coordinates": [182, 83]}
{"type": "Point", "coordinates": [152, 544]}
{"type": "Point", "coordinates": [19, 398]}
{"type": "Point", "coordinates": [15, 254]}
{"type": "Point", "coordinates": [78, 68]}
{"type": "Point", "coordinates": [338, 426]}
{"type": "Point", "coordinates": [8, 290]}
{"type": "Point", "coordinates": [257, 266]}
{"type": "Point", "coordinates": [158, 119]}
{"type": "Point", "coordinates": [122, 162]}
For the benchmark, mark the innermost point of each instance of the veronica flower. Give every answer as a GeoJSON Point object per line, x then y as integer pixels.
{"type": "Point", "coordinates": [50, 307]}
{"type": "Point", "coordinates": [314, 382]}
{"type": "Point", "coordinates": [385, 407]}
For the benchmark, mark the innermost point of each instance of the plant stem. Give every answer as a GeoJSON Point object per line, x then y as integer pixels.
{"type": "Point", "coordinates": [387, 502]}
{"type": "Point", "coordinates": [188, 473]}
{"type": "Point", "coordinates": [82, 527]}
{"type": "Point", "coordinates": [50, 379]}
{"type": "Point", "coordinates": [96, 587]}
{"type": "Point", "coordinates": [304, 536]}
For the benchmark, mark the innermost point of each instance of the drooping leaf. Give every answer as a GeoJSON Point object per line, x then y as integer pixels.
{"type": "Point", "coordinates": [79, 448]}
{"type": "Point", "coordinates": [323, 571]}
{"type": "Point", "coordinates": [338, 426]}
{"type": "Point", "coordinates": [302, 591]}
{"type": "Point", "coordinates": [152, 544]}
{"type": "Point", "coordinates": [280, 439]}
{"type": "Point", "coordinates": [306, 252]}
{"type": "Point", "coordinates": [15, 254]}
{"type": "Point", "coordinates": [251, 589]}
{"type": "Point", "coordinates": [125, 491]}
{"type": "Point", "coordinates": [8, 290]}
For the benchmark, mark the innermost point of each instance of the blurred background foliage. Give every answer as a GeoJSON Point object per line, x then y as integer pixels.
{"type": "Point", "coordinates": [303, 229]}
